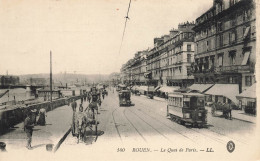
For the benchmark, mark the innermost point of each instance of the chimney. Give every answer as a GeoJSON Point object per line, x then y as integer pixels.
{"type": "Point", "coordinates": [157, 41]}
{"type": "Point", "coordinates": [173, 32]}
{"type": "Point", "coordinates": [166, 38]}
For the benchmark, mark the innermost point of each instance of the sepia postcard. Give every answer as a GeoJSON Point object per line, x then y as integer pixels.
{"type": "Point", "coordinates": [129, 80]}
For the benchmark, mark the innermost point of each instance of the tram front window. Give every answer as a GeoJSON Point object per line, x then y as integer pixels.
{"type": "Point", "coordinates": [186, 104]}
{"type": "Point", "coordinates": [200, 103]}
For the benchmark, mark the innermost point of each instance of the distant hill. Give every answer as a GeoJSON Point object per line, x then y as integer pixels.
{"type": "Point", "coordinates": [69, 78]}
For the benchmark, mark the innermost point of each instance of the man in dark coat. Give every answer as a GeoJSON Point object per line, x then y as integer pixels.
{"type": "Point", "coordinates": [230, 109]}
{"type": "Point", "coordinates": [28, 128]}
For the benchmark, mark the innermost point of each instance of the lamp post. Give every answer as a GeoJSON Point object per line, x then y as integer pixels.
{"type": "Point", "coordinates": [51, 78]}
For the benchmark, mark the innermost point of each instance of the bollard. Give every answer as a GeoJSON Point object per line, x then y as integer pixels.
{"type": "Point", "coordinates": [2, 147]}
{"type": "Point", "coordinates": [49, 147]}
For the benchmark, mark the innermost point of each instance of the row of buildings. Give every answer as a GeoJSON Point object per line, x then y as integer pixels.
{"type": "Point", "coordinates": [6, 80]}
{"type": "Point", "coordinates": [218, 48]}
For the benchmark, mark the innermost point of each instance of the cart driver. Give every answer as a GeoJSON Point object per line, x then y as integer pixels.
{"type": "Point", "coordinates": [93, 106]}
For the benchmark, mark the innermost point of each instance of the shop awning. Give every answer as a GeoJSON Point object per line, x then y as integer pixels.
{"type": "Point", "coordinates": [245, 59]}
{"type": "Point", "coordinates": [157, 88]}
{"type": "Point", "coordinates": [228, 90]}
{"type": "Point", "coordinates": [133, 87]}
{"type": "Point", "coordinates": [246, 31]}
{"type": "Point", "coordinates": [249, 92]}
{"type": "Point", "coordinates": [200, 87]}
{"type": "Point", "coordinates": [167, 89]}
{"type": "Point", "coordinates": [143, 88]}
{"type": "Point", "coordinates": [146, 75]}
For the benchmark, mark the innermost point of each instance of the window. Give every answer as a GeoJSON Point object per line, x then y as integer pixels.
{"type": "Point", "coordinates": [220, 26]}
{"type": "Point", "coordinates": [189, 58]}
{"type": "Point", "coordinates": [224, 99]}
{"type": "Point", "coordinates": [207, 79]}
{"type": "Point", "coordinates": [221, 40]}
{"type": "Point", "coordinates": [189, 47]}
{"type": "Point", "coordinates": [220, 60]}
{"type": "Point", "coordinates": [232, 56]}
{"type": "Point", "coordinates": [180, 69]}
{"type": "Point", "coordinates": [233, 21]}
{"type": "Point", "coordinates": [231, 80]}
{"type": "Point", "coordinates": [248, 80]}
{"type": "Point", "coordinates": [212, 61]}
{"type": "Point", "coordinates": [232, 37]}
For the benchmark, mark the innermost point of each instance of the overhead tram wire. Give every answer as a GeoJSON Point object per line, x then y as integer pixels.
{"type": "Point", "coordinates": [126, 18]}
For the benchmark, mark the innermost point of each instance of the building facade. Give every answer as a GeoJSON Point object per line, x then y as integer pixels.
{"type": "Point", "coordinates": [133, 72]}
{"type": "Point", "coordinates": [170, 60]}
{"type": "Point", "coordinates": [225, 38]}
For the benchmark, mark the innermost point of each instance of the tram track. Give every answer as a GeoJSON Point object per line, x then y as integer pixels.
{"type": "Point", "coordinates": [206, 135]}
{"type": "Point", "coordinates": [210, 137]}
{"type": "Point", "coordinates": [116, 126]}
{"type": "Point", "coordinates": [134, 126]}
{"type": "Point", "coordinates": [128, 121]}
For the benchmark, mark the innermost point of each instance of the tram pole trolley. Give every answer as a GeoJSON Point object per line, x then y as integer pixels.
{"type": "Point", "coordinates": [124, 98]}
{"type": "Point", "coordinates": [187, 109]}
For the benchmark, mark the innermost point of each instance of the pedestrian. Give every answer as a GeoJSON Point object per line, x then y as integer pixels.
{"type": "Point", "coordinates": [85, 97]}
{"type": "Point", "coordinates": [230, 109]}
{"type": "Point", "coordinates": [42, 114]}
{"type": "Point", "coordinates": [34, 115]}
{"type": "Point", "coordinates": [74, 107]}
{"type": "Point", "coordinates": [89, 97]}
{"type": "Point", "coordinates": [213, 108]}
{"type": "Point", "coordinates": [103, 95]}
{"type": "Point", "coordinates": [28, 128]}
{"type": "Point", "coordinates": [81, 99]}
{"type": "Point", "coordinates": [93, 106]}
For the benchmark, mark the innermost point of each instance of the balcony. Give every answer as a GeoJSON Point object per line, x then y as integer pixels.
{"type": "Point", "coordinates": [179, 77]}
{"type": "Point", "coordinates": [234, 69]}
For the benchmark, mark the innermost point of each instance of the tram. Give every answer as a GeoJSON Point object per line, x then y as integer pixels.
{"type": "Point", "coordinates": [124, 98]}
{"type": "Point", "coordinates": [187, 109]}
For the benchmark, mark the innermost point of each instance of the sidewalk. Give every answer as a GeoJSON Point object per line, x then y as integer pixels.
{"type": "Point", "coordinates": [58, 122]}
{"type": "Point", "coordinates": [237, 114]}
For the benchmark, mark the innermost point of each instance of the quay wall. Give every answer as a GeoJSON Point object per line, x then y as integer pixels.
{"type": "Point", "coordinates": [12, 116]}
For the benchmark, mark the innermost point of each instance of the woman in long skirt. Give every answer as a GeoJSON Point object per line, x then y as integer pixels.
{"type": "Point", "coordinates": [42, 115]}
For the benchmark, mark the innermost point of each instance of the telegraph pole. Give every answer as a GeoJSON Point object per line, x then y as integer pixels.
{"type": "Point", "coordinates": [51, 77]}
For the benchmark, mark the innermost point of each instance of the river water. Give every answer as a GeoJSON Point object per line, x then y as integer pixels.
{"type": "Point", "coordinates": [18, 94]}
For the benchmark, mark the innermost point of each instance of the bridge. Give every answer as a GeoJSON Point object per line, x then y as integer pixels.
{"type": "Point", "coordinates": [29, 87]}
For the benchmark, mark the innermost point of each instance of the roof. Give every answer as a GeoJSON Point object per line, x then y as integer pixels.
{"type": "Point", "coordinates": [249, 92]}
{"type": "Point", "coordinates": [178, 94]}
{"type": "Point", "coordinates": [144, 88]}
{"type": "Point", "coordinates": [122, 85]}
{"type": "Point", "coordinates": [201, 87]}
{"type": "Point", "coordinates": [124, 91]}
{"type": "Point", "coordinates": [228, 90]}
{"type": "Point", "coordinates": [169, 89]}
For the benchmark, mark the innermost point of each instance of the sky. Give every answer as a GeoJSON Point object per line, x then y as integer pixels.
{"type": "Point", "coordinates": [84, 35]}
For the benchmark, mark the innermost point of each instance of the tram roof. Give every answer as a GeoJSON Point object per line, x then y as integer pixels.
{"type": "Point", "coordinates": [178, 94]}
{"type": "Point", "coordinates": [124, 91]}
